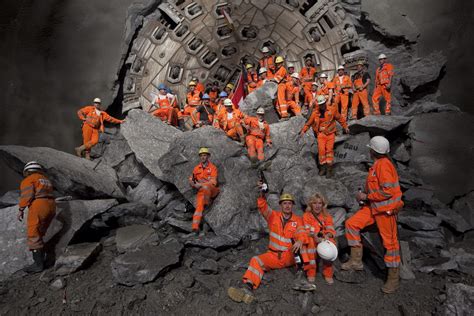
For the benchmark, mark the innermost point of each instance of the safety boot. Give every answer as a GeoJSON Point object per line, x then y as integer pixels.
{"type": "Point", "coordinates": [329, 171]}
{"type": "Point", "coordinates": [38, 265]}
{"type": "Point", "coordinates": [393, 281]}
{"type": "Point", "coordinates": [241, 295]}
{"type": "Point", "coordinates": [355, 262]}
{"type": "Point", "coordinates": [80, 150]}
{"type": "Point", "coordinates": [322, 170]}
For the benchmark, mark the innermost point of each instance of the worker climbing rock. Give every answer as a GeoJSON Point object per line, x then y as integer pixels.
{"type": "Point", "coordinates": [230, 121]}
{"type": "Point", "coordinates": [287, 236]}
{"type": "Point", "coordinates": [258, 133]}
{"type": "Point", "coordinates": [280, 79]}
{"type": "Point", "coordinates": [342, 85]}
{"type": "Point", "coordinates": [36, 194]}
{"type": "Point", "coordinates": [383, 85]}
{"type": "Point", "coordinates": [165, 105]}
{"type": "Point", "coordinates": [267, 62]}
{"type": "Point", "coordinates": [204, 113]}
{"type": "Point", "coordinates": [204, 180]}
{"type": "Point", "coordinates": [307, 75]}
{"type": "Point", "coordinates": [252, 78]}
{"type": "Point", "coordinates": [319, 225]}
{"type": "Point", "coordinates": [382, 200]}
{"type": "Point", "coordinates": [323, 123]}
{"type": "Point", "coordinates": [92, 118]}
{"type": "Point", "coordinates": [360, 80]}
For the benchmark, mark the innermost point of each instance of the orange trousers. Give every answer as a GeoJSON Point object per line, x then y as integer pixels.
{"type": "Point", "coordinates": [254, 147]}
{"type": "Point", "coordinates": [40, 214]}
{"type": "Point", "coordinates": [326, 148]}
{"type": "Point", "coordinates": [381, 91]}
{"type": "Point", "coordinates": [387, 225]}
{"type": "Point", "coordinates": [167, 114]}
{"type": "Point", "coordinates": [311, 267]}
{"type": "Point", "coordinates": [270, 260]}
{"type": "Point", "coordinates": [236, 132]}
{"type": "Point", "coordinates": [343, 99]}
{"type": "Point", "coordinates": [281, 106]}
{"type": "Point", "coordinates": [357, 98]}
{"type": "Point", "coordinates": [90, 136]}
{"type": "Point", "coordinates": [204, 196]}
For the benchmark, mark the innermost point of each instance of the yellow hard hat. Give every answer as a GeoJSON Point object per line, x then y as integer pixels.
{"type": "Point", "coordinates": [279, 60]}
{"type": "Point", "coordinates": [230, 86]}
{"type": "Point", "coordinates": [248, 66]}
{"type": "Point", "coordinates": [192, 83]}
{"type": "Point", "coordinates": [287, 197]}
{"type": "Point", "coordinates": [204, 150]}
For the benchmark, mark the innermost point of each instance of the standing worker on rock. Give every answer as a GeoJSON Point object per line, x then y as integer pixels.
{"type": "Point", "coordinates": [307, 75]}
{"type": "Point", "coordinates": [267, 62]}
{"type": "Point", "coordinates": [382, 201]}
{"type": "Point", "coordinates": [37, 195]}
{"type": "Point", "coordinates": [383, 85]}
{"type": "Point", "coordinates": [323, 123]}
{"type": "Point", "coordinates": [203, 179]}
{"type": "Point", "coordinates": [360, 80]}
{"type": "Point", "coordinates": [258, 133]}
{"type": "Point", "coordinates": [92, 124]}
{"type": "Point", "coordinates": [342, 83]}
{"type": "Point", "coordinates": [287, 236]}
{"type": "Point", "coordinates": [280, 79]}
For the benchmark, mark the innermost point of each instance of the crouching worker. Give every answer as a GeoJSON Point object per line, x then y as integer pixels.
{"type": "Point", "coordinates": [37, 196]}
{"type": "Point", "coordinates": [203, 179]}
{"type": "Point", "coordinates": [287, 236]}
{"type": "Point", "coordinates": [319, 225]}
{"type": "Point", "coordinates": [382, 202]}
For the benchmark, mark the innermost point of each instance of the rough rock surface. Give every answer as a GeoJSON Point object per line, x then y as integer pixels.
{"type": "Point", "coordinates": [130, 171]}
{"type": "Point", "coordinates": [70, 174]}
{"type": "Point", "coordinates": [465, 207]}
{"type": "Point", "coordinates": [427, 107]}
{"type": "Point", "coordinates": [353, 150]}
{"type": "Point", "coordinates": [75, 257]}
{"type": "Point", "coordinates": [10, 198]}
{"type": "Point", "coordinates": [262, 97]}
{"type": "Point", "coordinates": [132, 237]}
{"type": "Point", "coordinates": [146, 191]}
{"type": "Point", "coordinates": [422, 71]}
{"type": "Point", "coordinates": [459, 299]}
{"type": "Point", "coordinates": [378, 125]}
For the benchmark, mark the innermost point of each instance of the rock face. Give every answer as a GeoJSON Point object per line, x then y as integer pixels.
{"type": "Point", "coordinates": [132, 237]}
{"type": "Point", "coordinates": [144, 265]}
{"type": "Point", "coordinates": [70, 175]}
{"type": "Point", "coordinates": [75, 257]}
{"type": "Point", "coordinates": [378, 125]}
{"type": "Point", "coordinates": [10, 198]}
{"type": "Point", "coordinates": [262, 97]}
{"type": "Point", "coordinates": [146, 191]}
{"type": "Point", "coordinates": [459, 299]}
{"type": "Point", "coordinates": [353, 150]}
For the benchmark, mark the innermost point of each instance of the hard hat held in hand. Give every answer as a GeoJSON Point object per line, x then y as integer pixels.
{"type": "Point", "coordinates": [327, 250]}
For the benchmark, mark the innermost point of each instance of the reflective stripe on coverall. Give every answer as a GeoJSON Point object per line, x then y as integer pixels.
{"type": "Point", "coordinates": [383, 77]}
{"type": "Point", "coordinates": [257, 133]}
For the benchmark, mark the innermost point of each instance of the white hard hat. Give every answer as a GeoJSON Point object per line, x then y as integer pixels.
{"type": "Point", "coordinates": [32, 165]}
{"type": "Point", "coordinates": [228, 102]}
{"type": "Point", "coordinates": [315, 84]}
{"type": "Point", "coordinates": [265, 49]}
{"type": "Point", "coordinates": [382, 56]}
{"type": "Point", "coordinates": [97, 100]}
{"type": "Point", "coordinates": [262, 70]}
{"type": "Point", "coordinates": [295, 75]}
{"type": "Point", "coordinates": [323, 75]}
{"type": "Point", "coordinates": [327, 250]}
{"type": "Point", "coordinates": [321, 99]}
{"type": "Point", "coordinates": [290, 65]}
{"type": "Point", "coordinates": [260, 111]}
{"type": "Point", "coordinates": [379, 144]}
{"type": "Point", "coordinates": [341, 67]}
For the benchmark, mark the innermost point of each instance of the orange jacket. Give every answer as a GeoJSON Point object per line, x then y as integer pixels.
{"type": "Point", "coordinates": [281, 237]}
{"type": "Point", "coordinates": [261, 131]}
{"type": "Point", "coordinates": [322, 223]}
{"type": "Point", "coordinates": [193, 98]}
{"type": "Point", "coordinates": [280, 75]}
{"type": "Point", "coordinates": [35, 186]}
{"type": "Point", "coordinates": [307, 75]}
{"type": "Point", "coordinates": [292, 92]}
{"type": "Point", "coordinates": [205, 174]}
{"type": "Point", "coordinates": [268, 63]}
{"type": "Point", "coordinates": [261, 83]}
{"type": "Point", "coordinates": [200, 87]}
{"type": "Point", "coordinates": [310, 99]}
{"type": "Point", "coordinates": [384, 74]}
{"type": "Point", "coordinates": [89, 116]}
{"type": "Point", "coordinates": [343, 86]}
{"type": "Point", "coordinates": [227, 123]}
{"type": "Point", "coordinates": [382, 187]}
{"type": "Point", "coordinates": [326, 124]}
{"type": "Point", "coordinates": [166, 101]}
{"type": "Point", "coordinates": [324, 90]}
{"type": "Point", "coordinates": [252, 79]}
{"type": "Point", "coordinates": [358, 80]}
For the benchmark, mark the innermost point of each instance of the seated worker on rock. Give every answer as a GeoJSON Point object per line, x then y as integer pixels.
{"type": "Point", "coordinates": [229, 89]}
{"type": "Point", "coordinates": [92, 124]}
{"type": "Point", "coordinates": [193, 100]}
{"type": "Point", "coordinates": [292, 97]}
{"type": "Point", "coordinates": [166, 106]}
{"type": "Point", "coordinates": [252, 78]}
{"type": "Point", "coordinates": [286, 238]}
{"type": "Point", "coordinates": [262, 77]}
{"type": "Point", "coordinates": [230, 121]}
{"type": "Point", "coordinates": [204, 114]}
{"type": "Point", "coordinates": [213, 92]}
{"type": "Point", "coordinates": [204, 180]}
{"type": "Point", "coordinates": [258, 132]}
{"type": "Point", "coordinates": [218, 105]}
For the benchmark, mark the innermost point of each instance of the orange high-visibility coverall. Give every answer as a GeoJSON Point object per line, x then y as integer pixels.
{"type": "Point", "coordinates": [324, 127]}
{"type": "Point", "coordinates": [321, 224]}
{"type": "Point", "coordinates": [291, 102]}
{"type": "Point", "coordinates": [342, 85]}
{"type": "Point", "coordinates": [268, 63]}
{"type": "Point", "coordinates": [310, 100]}
{"type": "Point", "coordinates": [307, 78]}
{"type": "Point", "coordinates": [200, 87]}
{"type": "Point", "coordinates": [282, 236]}
{"type": "Point", "coordinates": [207, 177]}
{"type": "Point", "coordinates": [324, 90]}
{"type": "Point", "coordinates": [252, 79]}
{"type": "Point", "coordinates": [93, 123]}
{"type": "Point", "coordinates": [166, 108]}
{"type": "Point", "coordinates": [230, 123]}
{"type": "Point", "coordinates": [384, 201]}
{"type": "Point", "coordinates": [280, 78]}
{"type": "Point", "coordinates": [193, 99]}
{"type": "Point", "coordinates": [257, 133]}
{"type": "Point", "coordinates": [383, 78]}
{"type": "Point", "coordinates": [360, 95]}
{"type": "Point", "coordinates": [37, 195]}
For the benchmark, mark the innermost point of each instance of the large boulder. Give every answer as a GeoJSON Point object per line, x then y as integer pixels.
{"type": "Point", "coordinates": [428, 107]}
{"type": "Point", "coordinates": [262, 97]}
{"type": "Point", "coordinates": [459, 299]}
{"type": "Point", "coordinates": [130, 238]}
{"type": "Point", "coordinates": [378, 124]}
{"type": "Point", "coordinates": [146, 191]}
{"type": "Point", "coordinates": [130, 171]}
{"type": "Point", "coordinates": [10, 198]}
{"type": "Point", "coordinates": [353, 149]}
{"type": "Point", "coordinates": [465, 207]}
{"type": "Point", "coordinates": [76, 256]}
{"type": "Point", "coordinates": [70, 175]}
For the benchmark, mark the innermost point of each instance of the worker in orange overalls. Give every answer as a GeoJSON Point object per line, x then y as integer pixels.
{"type": "Point", "coordinates": [290, 69]}
{"type": "Point", "coordinates": [262, 77]}
{"type": "Point", "coordinates": [310, 99]}
{"type": "Point", "coordinates": [319, 225]}
{"type": "Point", "coordinates": [252, 78]}
{"type": "Point", "coordinates": [323, 123]}
{"type": "Point", "coordinates": [258, 132]}
{"type": "Point", "coordinates": [92, 124]}
{"type": "Point", "coordinates": [229, 89]}
{"type": "Point", "coordinates": [360, 81]}
{"type": "Point", "coordinates": [326, 88]}
{"type": "Point", "coordinates": [37, 195]}
{"type": "Point", "coordinates": [342, 85]}
{"type": "Point", "coordinates": [204, 113]}
{"type": "Point", "coordinates": [307, 75]}
{"type": "Point", "coordinates": [199, 85]}
{"type": "Point", "coordinates": [193, 100]}
{"type": "Point", "coordinates": [267, 62]}
{"type": "Point", "coordinates": [280, 78]}
{"type": "Point", "coordinates": [383, 84]}
{"type": "Point", "coordinates": [292, 97]}
{"type": "Point", "coordinates": [229, 120]}
{"type": "Point", "coordinates": [203, 179]}
{"type": "Point", "coordinates": [287, 236]}
{"type": "Point", "coordinates": [166, 106]}
{"type": "Point", "coordinates": [213, 93]}
{"type": "Point", "coordinates": [219, 104]}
